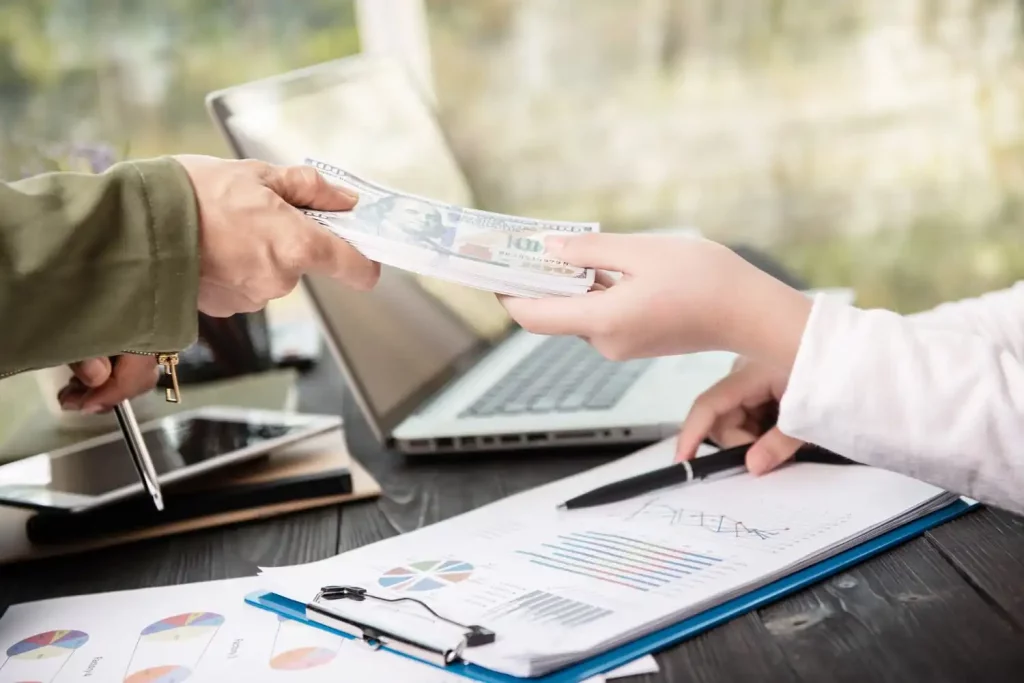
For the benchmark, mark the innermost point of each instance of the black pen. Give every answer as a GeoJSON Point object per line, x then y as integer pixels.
{"type": "Point", "coordinates": [722, 463]}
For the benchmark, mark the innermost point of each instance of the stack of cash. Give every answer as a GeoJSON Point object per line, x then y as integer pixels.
{"type": "Point", "coordinates": [489, 251]}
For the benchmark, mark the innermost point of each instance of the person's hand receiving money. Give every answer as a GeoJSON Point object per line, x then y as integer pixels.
{"type": "Point", "coordinates": [676, 295]}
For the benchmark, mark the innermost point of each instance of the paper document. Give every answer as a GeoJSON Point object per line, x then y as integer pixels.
{"type": "Point", "coordinates": [202, 632]}
{"type": "Point", "coordinates": [491, 251]}
{"type": "Point", "coordinates": [558, 586]}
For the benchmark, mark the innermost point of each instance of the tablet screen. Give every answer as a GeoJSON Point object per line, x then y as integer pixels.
{"type": "Point", "coordinates": [174, 443]}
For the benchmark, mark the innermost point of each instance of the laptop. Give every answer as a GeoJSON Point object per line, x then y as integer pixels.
{"type": "Point", "coordinates": [436, 367]}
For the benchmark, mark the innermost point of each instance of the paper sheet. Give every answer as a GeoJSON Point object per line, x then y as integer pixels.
{"type": "Point", "coordinates": [558, 586]}
{"type": "Point", "coordinates": [193, 632]}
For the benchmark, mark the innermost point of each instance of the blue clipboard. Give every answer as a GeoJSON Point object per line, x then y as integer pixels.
{"type": "Point", "coordinates": [670, 635]}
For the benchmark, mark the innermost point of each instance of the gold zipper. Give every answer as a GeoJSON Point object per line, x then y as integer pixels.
{"type": "Point", "coordinates": [169, 362]}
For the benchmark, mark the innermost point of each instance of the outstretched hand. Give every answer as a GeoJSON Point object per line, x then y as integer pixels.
{"type": "Point", "coordinates": [253, 241]}
{"type": "Point", "coordinates": [675, 295]}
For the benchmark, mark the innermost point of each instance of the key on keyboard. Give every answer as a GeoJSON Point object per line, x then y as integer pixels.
{"type": "Point", "coordinates": [563, 374]}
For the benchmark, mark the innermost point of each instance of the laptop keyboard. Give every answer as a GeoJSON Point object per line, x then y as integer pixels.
{"type": "Point", "coordinates": [563, 374]}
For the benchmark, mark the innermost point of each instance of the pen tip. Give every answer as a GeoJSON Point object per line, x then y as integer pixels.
{"type": "Point", "coordinates": [563, 506]}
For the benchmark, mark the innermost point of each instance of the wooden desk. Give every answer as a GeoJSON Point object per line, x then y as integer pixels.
{"type": "Point", "coordinates": [948, 606]}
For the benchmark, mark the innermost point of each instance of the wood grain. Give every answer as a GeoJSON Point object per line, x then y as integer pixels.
{"type": "Point", "coordinates": [904, 616]}
{"type": "Point", "coordinates": [740, 650]}
{"type": "Point", "coordinates": [987, 548]}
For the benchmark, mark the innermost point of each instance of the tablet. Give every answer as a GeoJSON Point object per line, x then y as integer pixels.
{"type": "Point", "coordinates": [100, 471]}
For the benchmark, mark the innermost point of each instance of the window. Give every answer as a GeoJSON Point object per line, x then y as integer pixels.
{"type": "Point", "coordinates": [876, 145]}
{"type": "Point", "coordinates": [129, 77]}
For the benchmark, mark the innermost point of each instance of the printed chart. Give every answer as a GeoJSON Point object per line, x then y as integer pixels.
{"type": "Point", "coordinates": [720, 525]}
{"type": "Point", "coordinates": [426, 575]}
{"type": "Point", "coordinates": [42, 656]}
{"type": "Point", "coordinates": [538, 607]}
{"type": "Point", "coordinates": [621, 560]}
{"type": "Point", "coordinates": [171, 673]}
{"type": "Point", "coordinates": [298, 647]}
{"type": "Point", "coordinates": [169, 650]}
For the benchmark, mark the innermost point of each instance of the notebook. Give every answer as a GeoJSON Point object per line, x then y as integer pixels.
{"type": "Point", "coordinates": [557, 587]}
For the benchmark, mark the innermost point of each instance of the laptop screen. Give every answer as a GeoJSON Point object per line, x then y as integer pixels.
{"type": "Point", "coordinates": [402, 341]}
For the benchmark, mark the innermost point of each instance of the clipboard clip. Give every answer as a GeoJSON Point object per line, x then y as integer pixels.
{"type": "Point", "coordinates": [472, 635]}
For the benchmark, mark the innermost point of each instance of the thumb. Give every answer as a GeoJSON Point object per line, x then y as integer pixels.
{"type": "Point", "coordinates": [606, 251]}
{"type": "Point", "coordinates": [302, 186]}
{"type": "Point", "coordinates": [92, 372]}
{"type": "Point", "coordinates": [770, 451]}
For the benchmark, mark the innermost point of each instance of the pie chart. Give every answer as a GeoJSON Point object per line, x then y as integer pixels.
{"type": "Point", "coordinates": [183, 626]}
{"type": "Point", "coordinates": [48, 644]}
{"type": "Point", "coordinates": [302, 658]}
{"type": "Point", "coordinates": [427, 575]}
{"type": "Point", "coordinates": [160, 674]}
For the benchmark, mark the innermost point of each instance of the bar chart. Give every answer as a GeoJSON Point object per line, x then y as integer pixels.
{"type": "Point", "coordinates": [540, 607]}
{"type": "Point", "coordinates": [618, 559]}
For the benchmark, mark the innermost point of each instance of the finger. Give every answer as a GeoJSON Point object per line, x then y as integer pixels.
{"type": "Point", "coordinates": [770, 451]}
{"type": "Point", "coordinates": [738, 390]}
{"type": "Point", "coordinates": [133, 375]}
{"type": "Point", "coordinates": [217, 301]}
{"type": "Point", "coordinates": [617, 252]}
{"type": "Point", "coordinates": [336, 258]}
{"type": "Point", "coordinates": [303, 186]}
{"type": "Point", "coordinates": [72, 395]}
{"type": "Point", "coordinates": [557, 315]}
{"type": "Point", "coordinates": [729, 435]}
{"type": "Point", "coordinates": [93, 371]}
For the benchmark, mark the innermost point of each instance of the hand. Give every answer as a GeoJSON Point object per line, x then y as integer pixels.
{"type": "Point", "coordinates": [98, 385]}
{"type": "Point", "coordinates": [676, 295]}
{"type": "Point", "coordinates": [733, 412]}
{"type": "Point", "coordinates": [255, 245]}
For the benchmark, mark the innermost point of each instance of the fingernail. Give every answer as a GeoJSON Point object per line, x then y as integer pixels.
{"type": "Point", "coordinates": [92, 409]}
{"type": "Point", "coordinates": [350, 194]}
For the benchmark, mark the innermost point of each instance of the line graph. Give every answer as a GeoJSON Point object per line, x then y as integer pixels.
{"type": "Point", "coordinates": [722, 525]}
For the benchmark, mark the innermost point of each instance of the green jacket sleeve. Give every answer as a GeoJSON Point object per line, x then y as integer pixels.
{"type": "Point", "coordinates": [95, 265]}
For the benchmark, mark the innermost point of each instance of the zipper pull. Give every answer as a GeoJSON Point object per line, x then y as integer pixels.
{"type": "Point", "coordinates": [169, 361]}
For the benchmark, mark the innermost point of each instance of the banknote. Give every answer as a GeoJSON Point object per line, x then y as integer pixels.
{"type": "Point", "coordinates": [480, 246]}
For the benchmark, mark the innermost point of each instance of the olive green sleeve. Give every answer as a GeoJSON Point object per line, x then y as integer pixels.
{"type": "Point", "coordinates": [95, 264]}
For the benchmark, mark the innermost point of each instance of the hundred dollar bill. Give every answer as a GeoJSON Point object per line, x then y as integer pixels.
{"type": "Point", "coordinates": [458, 238]}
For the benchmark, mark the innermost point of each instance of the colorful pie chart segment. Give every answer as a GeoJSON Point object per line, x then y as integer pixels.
{"type": "Point", "coordinates": [302, 658]}
{"type": "Point", "coordinates": [160, 674]}
{"type": "Point", "coordinates": [48, 644]}
{"type": "Point", "coordinates": [184, 626]}
{"type": "Point", "coordinates": [426, 575]}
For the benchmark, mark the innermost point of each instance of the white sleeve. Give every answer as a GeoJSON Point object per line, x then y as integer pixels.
{"type": "Point", "coordinates": [942, 405]}
{"type": "Point", "coordinates": [997, 316]}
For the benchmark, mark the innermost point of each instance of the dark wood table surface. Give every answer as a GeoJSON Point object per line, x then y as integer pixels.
{"type": "Point", "coordinates": [947, 606]}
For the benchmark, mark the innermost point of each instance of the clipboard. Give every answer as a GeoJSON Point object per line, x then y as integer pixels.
{"type": "Point", "coordinates": [657, 640]}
